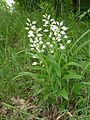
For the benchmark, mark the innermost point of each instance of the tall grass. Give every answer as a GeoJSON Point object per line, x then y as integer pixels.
{"type": "Point", "coordinates": [12, 40]}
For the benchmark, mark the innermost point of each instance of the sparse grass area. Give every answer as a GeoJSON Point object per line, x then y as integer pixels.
{"type": "Point", "coordinates": [21, 80]}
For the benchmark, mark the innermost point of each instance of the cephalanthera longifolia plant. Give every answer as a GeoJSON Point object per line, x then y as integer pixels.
{"type": "Point", "coordinates": [52, 68]}
{"type": "Point", "coordinates": [51, 35]}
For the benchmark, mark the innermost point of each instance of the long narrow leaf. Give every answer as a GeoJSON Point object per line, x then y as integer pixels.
{"type": "Point", "coordinates": [85, 43]}
{"type": "Point", "coordinates": [21, 74]}
{"type": "Point", "coordinates": [79, 40]}
{"type": "Point", "coordinates": [71, 64]}
{"type": "Point", "coordinates": [85, 68]}
{"type": "Point", "coordinates": [72, 75]}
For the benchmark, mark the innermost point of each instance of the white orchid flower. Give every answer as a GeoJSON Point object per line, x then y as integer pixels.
{"type": "Point", "coordinates": [34, 63]}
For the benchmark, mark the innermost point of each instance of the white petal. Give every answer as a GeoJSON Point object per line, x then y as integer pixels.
{"type": "Point", "coordinates": [44, 20]}
{"type": "Point", "coordinates": [44, 16]}
{"type": "Point", "coordinates": [53, 28]}
{"type": "Point", "coordinates": [27, 24]}
{"type": "Point", "coordinates": [48, 17]}
{"type": "Point", "coordinates": [53, 38]}
{"type": "Point", "coordinates": [35, 41]}
{"type": "Point", "coordinates": [34, 56]}
{"type": "Point", "coordinates": [30, 25]}
{"type": "Point", "coordinates": [39, 29]}
{"type": "Point", "coordinates": [42, 50]}
{"type": "Point", "coordinates": [32, 49]}
{"type": "Point", "coordinates": [39, 35]}
{"type": "Point", "coordinates": [57, 23]}
{"type": "Point", "coordinates": [30, 34]}
{"type": "Point", "coordinates": [40, 62]}
{"type": "Point", "coordinates": [31, 45]}
{"type": "Point", "coordinates": [55, 33]}
{"type": "Point", "coordinates": [69, 41]}
{"type": "Point", "coordinates": [61, 23]}
{"type": "Point", "coordinates": [59, 35]}
{"type": "Point", "coordinates": [45, 30]}
{"type": "Point", "coordinates": [58, 39]}
{"type": "Point", "coordinates": [26, 28]}
{"type": "Point", "coordinates": [34, 45]}
{"type": "Point", "coordinates": [62, 47]}
{"type": "Point", "coordinates": [28, 19]}
{"type": "Point", "coordinates": [34, 63]}
{"type": "Point", "coordinates": [45, 25]}
{"type": "Point", "coordinates": [48, 43]}
{"type": "Point", "coordinates": [64, 28]}
{"type": "Point", "coordinates": [65, 36]}
{"type": "Point", "coordinates": [51, 45]}
{"type": "Point", "coordinates": [40, 38]}
{"type": "Point", "coordinates": [31, 40]}
{"type": "Point", "coordinates": [52, 20]}
{"type": "Point", "coordinates": [36, 38]}
{"type": "Point", "coordinates": [51, 51]}
{"type": "Point", "coordinates": [63, 33]}
{"type": "Point", "coordinates": [33, 27]}
{"type": "Point", "coordinates": [50, 35]}
{"type": "Point", "coordinates": [34, 22]}
{"type": "Point", "coordinates": [44, 46]}
{"type": "Point", "coordinates": [41, 42]}
{"type": "Point", "coordinates": [38, 50]}
{"type": "Point", "coordinates": [43, 65]}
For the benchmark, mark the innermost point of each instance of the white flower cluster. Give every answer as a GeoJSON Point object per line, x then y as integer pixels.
{"type": "Point", "coordinates": [56, 32]}
{"type": "Point", "coordinates": [34, 35]}
{"type": "Point", "coordinates": [43, 40]}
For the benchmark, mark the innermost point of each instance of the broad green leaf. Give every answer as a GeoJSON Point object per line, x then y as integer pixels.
{"type": "Point", "coordinates": [64, 94]}
{"type": "Point", "coordinates": [53, 65]}
{"type": "Point", "coordinates": [41, 76]}
{"type": "Point", "coordinates": [52, 60]}
{"type": "Point", "coordinates": [54, 70]}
